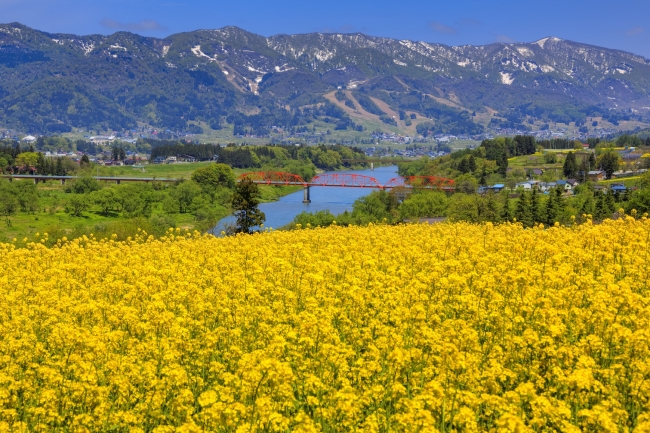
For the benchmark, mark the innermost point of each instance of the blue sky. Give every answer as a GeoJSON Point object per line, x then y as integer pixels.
{"type": "Point", "coordinates": [622, 24]}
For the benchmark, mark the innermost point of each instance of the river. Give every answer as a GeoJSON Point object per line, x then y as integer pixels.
{"type": "Point", "coordinates": [335, 199]}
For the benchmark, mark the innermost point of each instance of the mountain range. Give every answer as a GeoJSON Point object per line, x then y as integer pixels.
{"type": "Point", "coordinates": [214, 78]}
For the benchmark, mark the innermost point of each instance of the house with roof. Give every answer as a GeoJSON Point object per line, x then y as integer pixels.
{"type": "Point", "coordinates": [498, 187]}
{"type": "Point", "coordinates": [596, 175]}
{"type": "Point", "coordinates": [619, 187]}
{"type": "Point", "coordinates": [526, 186]}
{"type": "Point", "coordinates": [564, 184]}
{"type": "Point", "coordinates": [573, 183]}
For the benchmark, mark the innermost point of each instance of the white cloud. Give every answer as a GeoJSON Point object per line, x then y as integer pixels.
{"type": "Point", "coordinates": [442, 28]}
{"type": "Point", "coordinates": [505, 39]}
{"type": "Point", "coordinates": [635, 31]}
{"type": "Point", "coordinates": [140, 26]}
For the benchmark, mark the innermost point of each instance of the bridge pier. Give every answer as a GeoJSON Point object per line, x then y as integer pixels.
{"type": "Point", "coordinates": [372, 166]}
{"type": "Point", "coordinates": [35, 181]}
{"type": "Point", "coordinates": [306, 196]}
{"type": "Point", "coordinates": [62, 181]}
{"type": "Point", "coordinates": [117, 182]}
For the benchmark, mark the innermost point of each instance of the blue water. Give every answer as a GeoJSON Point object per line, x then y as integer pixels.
{"type": "Point", "coordinates": [335, 199]}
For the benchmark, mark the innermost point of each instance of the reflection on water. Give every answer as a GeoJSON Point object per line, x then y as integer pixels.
{"type": "Point", "coordinates": [335, 199]}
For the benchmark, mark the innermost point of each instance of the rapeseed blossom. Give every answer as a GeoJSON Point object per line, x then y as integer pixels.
{"type": "Point", "coordinates": [432, 328]}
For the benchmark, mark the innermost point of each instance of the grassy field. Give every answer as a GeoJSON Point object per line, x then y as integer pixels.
{"type": "Point", "coordinates": [52, 217]}
{"type": "Point", "coordinates": [181, 170]}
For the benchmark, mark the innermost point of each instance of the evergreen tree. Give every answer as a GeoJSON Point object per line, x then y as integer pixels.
{"type": "Point", "coordinates": [626, 195]}
{"type": "Point", "coordinates": [554, 206]}
{"type": "Point", "coordinates": [560, 205]}
{"type": "Point", "coordinates": [599, 208]}
{"type": "Point", "coordinates": [535, 206]}
{"type": "Point", "coordinates": [591, 161]}
{"type": "Point", "coordinates": [245, 200]}
{"type": "Point", "coordinates": [41, 164]}
{"type": "Point", "coordinates": [488, 208]}
{"type": "Point", "coordinates": [587, 207]}
{"type": "Point", "coordinates": [471, 164]}
{"type": "Point", "coordinates": [506, 210]}
{"type": "Point", "coordinates": [584, 169]}
{"type": "Point", "coordinates": [59, 170]}
{"type": "Point", "coordinates": [609, 204]}
{"type": "Point", "coordinates": [523, 212]}
{"type": "Point", "coordinates": [463, 166]}
{"type": "Point", "coordinates": [502, 164]}
{"type": "Point", "coordinates": [570, 167]}
{"type": "Point", "coordinates": [609, 163]}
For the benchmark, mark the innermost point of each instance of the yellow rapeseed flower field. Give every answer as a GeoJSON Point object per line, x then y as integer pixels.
{"type": "Point", "coordinates": [414, 328]}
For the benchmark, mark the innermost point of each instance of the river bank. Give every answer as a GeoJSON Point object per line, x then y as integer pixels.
{"type": "Point", "coordinates": [334, 199]}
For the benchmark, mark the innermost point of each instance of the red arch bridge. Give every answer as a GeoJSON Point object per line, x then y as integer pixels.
{"type": "Point", "coordinates": [346, 180]}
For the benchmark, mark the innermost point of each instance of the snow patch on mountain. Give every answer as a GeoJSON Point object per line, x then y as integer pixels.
{"type": "Point", "coordinates": [541, 42]}
{"type": "Point", "coordinates": [87, 47]}
{"type": "Point", "coordinates": [196, 50]}
{"type": "Point", "coordinates": [506, 78]}
{"type": "Point", "coordinates": [324, 56]}
{"type": "Point", "coordinates": [525, 51]}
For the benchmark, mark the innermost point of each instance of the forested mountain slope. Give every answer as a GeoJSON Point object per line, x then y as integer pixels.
{"type": "Point", "coordinates": [52, 82]}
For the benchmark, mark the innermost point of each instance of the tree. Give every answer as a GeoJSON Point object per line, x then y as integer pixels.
{"type": "Point", "coordinates": [506, 210]}
{"type": "Point", "coordinates": [424, 204]}
{"type": "Point", "coordinates": [591, 161]}
{"type": "Point", "coordinates": [609, 204]}
{"type": "Point", "coordinates": [466, 184]}
{"type": "Point", "coordinates": [83, 185]}
{"type": "Point", "coordinates": [535, 208]}
{"type": "Point", "coordinates": [587, 207]}
{"type": "Point", "coordinates": [483, 180]}
{"type": "Point", "coordinates": [502, 164]}
{"type": "Point", "coordinates": [27, 159]}
{"type": "Point", "coordinates": [77, 204]}
{"type": "Point", "coordinates": [609, 163]}
{"type": "Point", "coordinates": [105, 198]}
{"type": "Point", "coordinates": [554, 206]}
{"type": "Point", "coordinates": [27, 196]}
{"type": "Point", "coordinates": [244, 204]}
{"type": "Point", "coordinates": [463, 166]}
{"type": "Point", "coordinates": [570, 166]}
{"type": "Point", "coordinates": [8, 201]}
{"type": "Point", "coordinates": [59, 170]}
{"type": "Point", "coordinates": [118, 153]}
{"type": "Point", "coordinates": [471, 164]}
{"type": "Point", "coordinates": [85, 161]}
{"type": "Point", "coordinates": [213, 178]}
{"type": "Point", "coordinates": [184, 194]}
{"type": "Point", "coordinates": [550, 158]}
{"type": "Point", "coordinates": [523, 212]}
{"type": "Point", "coordinates": [463, 207]}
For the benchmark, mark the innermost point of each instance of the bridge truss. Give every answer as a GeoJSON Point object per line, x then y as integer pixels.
{"type": "Point", "coordinates": [347, 180]}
